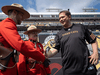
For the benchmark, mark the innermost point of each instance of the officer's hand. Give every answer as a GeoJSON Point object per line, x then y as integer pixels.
{"type": "Point", "coordinates": [46, 62]}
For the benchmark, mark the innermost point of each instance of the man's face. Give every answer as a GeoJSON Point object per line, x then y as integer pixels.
{"type": "Point", "coordinates": [19, 18]}
{"type": "Point", "coordinates": [64, 19]}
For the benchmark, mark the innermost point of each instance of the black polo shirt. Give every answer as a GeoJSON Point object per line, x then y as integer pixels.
{"type": "Point", "coordinates": [72, 43]}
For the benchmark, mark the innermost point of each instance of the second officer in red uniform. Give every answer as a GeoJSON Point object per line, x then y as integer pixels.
{"type": "Point", "coordinates": [28, 65]}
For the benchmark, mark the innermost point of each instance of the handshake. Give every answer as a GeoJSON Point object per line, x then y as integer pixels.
{"type": "Point", "coordinates": [46, 62]}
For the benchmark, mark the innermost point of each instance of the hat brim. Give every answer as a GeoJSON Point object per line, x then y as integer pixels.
{"type": "Point", "coordinates": [34, 30]}
{"type": "Point", "coordinates": [5, 9]}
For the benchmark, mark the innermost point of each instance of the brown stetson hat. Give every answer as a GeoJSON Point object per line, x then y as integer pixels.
{"type": "Point", "coordinates": [32, 28]}
{"type": "Point", "coordinates": [17, 7]}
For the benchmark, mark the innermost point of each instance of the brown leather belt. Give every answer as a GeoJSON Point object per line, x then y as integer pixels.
{"type": "Point", "coordinates": [39, 62]}
{"type": "Point", "coordinates": [32, 65]}
{"type": "Point", "coordinates": [36, 62]}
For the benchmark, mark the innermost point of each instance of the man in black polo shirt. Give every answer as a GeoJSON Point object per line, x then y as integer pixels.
{"type": "Point", "coordinates": [71, 40]}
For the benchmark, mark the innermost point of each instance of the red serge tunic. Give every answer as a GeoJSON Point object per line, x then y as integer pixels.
{"type": "Point", "coordinates": [39, 69]}
{"type": "Point", "coordinates": [11, 38]}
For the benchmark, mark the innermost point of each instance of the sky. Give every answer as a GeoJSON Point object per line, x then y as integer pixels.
{"type": "Point", "coordinates": [42, 5]}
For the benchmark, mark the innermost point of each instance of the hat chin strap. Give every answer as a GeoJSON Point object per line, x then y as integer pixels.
{"type": "Point", "coordinates": [32, 40]}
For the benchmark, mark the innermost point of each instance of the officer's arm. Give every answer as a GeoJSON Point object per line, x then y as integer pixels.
{"type": "Point", "coordinates": [11, 35]}
{"type": "Point", "coordinates": [52, 52]}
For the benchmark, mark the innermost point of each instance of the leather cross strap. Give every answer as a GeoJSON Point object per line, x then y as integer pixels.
{"type": "Point", "coordinates": [5, 55]}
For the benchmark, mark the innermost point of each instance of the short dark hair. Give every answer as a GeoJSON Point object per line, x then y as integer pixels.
{"type": "Point", "coordinates": [66, 12]}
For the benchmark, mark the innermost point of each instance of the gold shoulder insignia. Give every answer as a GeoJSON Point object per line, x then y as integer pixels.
{"type": "Point", "coordinates": [92, 36]}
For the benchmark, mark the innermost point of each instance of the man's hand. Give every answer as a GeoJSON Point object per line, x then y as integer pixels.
{"type": "Point", "coordinates": [51, 52]}
{"type": "Point", "coordinates": [94, 58]}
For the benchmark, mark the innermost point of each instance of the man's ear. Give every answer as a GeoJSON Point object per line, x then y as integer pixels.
{"type": "Point", "coordinates": [70, 17]}
{"type": "Point", "coordinates": [28, 34]}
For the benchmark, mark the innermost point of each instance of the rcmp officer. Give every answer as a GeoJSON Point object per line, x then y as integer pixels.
{"type": "Point", "coordinates": [9, 36]}
{"type": "Point", "coordinates": [27, 65]}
